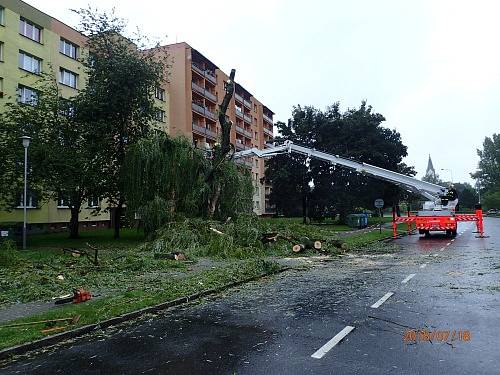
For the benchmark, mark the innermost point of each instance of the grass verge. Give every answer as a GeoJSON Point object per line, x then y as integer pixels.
{"type": "Point", "coordinates": [98, 310]}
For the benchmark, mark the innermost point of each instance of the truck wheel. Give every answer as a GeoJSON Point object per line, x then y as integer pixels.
{"type": "Point", "coordinates": [454, 233]}
{"type": "Point", "coordinates": [421, 231]}
{"type": "Point", "coordinates": [427, 233]}
{"type": "Point", "coordinates": [448, 233]}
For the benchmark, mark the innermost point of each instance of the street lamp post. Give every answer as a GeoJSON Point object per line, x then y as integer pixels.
{"type": "Point", "coordinates": [449, 170]}
{"type": "Point", "coordinates": [26, 144]}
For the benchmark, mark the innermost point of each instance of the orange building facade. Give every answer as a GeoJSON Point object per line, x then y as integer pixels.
{"type": "Point", "coordinates": [196, 88]}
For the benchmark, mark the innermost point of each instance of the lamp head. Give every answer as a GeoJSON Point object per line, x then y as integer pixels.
{"type": "Point", "coordinates": [26, 141]}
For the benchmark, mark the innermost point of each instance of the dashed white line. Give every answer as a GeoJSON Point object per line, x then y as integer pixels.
{"type": "Point", "coordinates": [435, 255]}
{"type": "Point", "coordinates": [449, 243]}
{"type": "Point", "coordinates": [408, 278]}
{"type": "Point", "coordinates": [330, 344]}
{"type": "Point", "coordinates": [423, 265]}
{"type": "Point", "coordinates": [382, 300]}
{"type": "Point", "coordinates": [441, 249]}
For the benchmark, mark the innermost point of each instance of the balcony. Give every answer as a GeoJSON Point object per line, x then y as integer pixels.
{"type": "Point", "coordinates": [268, 132]}
{"type": "Point", "coordinates": [247, 118]}
{"type": "Point", "coordinates": [247, 104]}
{"type": "Point", "coordinates": [211, 134]}
{"type": "Point", "coordinates": [197, 69]}
{"type": "Point", "coordinates": [267, 118]}
{"type": "Point", "coordinates": [210, 76]}
{"type": "Point", "coordinates": [238, 97]}
{"type": "Point", "coordinates": [247, 133]}
{"type": "Point", "coordinates": [210, 114]}
{"type": "Point", "coordinates": [239, 130]}
{"type": "Point", "coordinates": [197, 88]}
{"type": "Point", "coordinates": [240, 146]}
{"type": "Point", "coordinates": [239, 112]}
{"type": "Point", "coordinates": [210, 96]}
{"type": "Point", "coordinates": [199, 129]}
{"type": "Point", "coordinates": [198, 108]}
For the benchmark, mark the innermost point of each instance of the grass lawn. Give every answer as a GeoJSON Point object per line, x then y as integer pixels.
{"type": "Point", "coordinates": [135, 297]}
{"type": "Point", "coordinates": [100, 237]}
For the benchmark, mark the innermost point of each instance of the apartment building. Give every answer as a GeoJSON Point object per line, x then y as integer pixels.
{"type": "Point", "coordinates": [32, 42]}
{"type": "Point", "coordinates": [196, 90]}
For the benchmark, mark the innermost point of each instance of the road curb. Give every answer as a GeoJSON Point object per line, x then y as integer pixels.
{"type": "Point", "coordinates": [80, 331]}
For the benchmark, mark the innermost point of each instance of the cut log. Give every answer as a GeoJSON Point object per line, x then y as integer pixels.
{"type": "Point", "coordinates": [317, 245]}
{"type": "Point", "coordinates": [216, 230]}
{"type": "Point", "coordinates": [269, 237]}
{"type": "Point", "coordinates": [298, 248]}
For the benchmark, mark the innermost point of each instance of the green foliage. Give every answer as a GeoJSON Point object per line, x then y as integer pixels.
{"type": "Point", "coordinates": [8, 254]}
{"type": "Point", "coordinates": [119, 95]}
{"type": "Point", "coordinates": [64, 156]}
{"type": "Point", "coordinates": [491, 200]}
{"type": "Point", "coordinates": [488, 173]}
{"type": "Point", "coordinates": [321, 189]}
{"type": "Point", "coordinates": [239, 238]}
{"type": "Point", "coordinates": [236, 191]}
{"type": "Point", "coordinates": [164, 179]}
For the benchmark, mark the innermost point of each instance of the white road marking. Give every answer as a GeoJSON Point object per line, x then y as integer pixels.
{"type": "Point", "coordinates": [423, 265]}
{"type": "Point", "coordinates": [449, 243]}
{"type": "Point", "coordinates": [441, 249]}
{"type": "Point", "coordinates": [330, 344]}
{"type": "Point", "coordinates": [452, 240]}
{"type": "Point", "coordinates": [382, 300]}
{"type": "Point", "coordinates": [408, 278]}
{"type": "Point", "coordinates": [435, 255]}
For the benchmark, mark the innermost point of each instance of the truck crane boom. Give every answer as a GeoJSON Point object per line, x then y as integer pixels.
{"type": "Point", "coordinates": [438, 214]}
{"type": "Point", "coordinates": [426, 189]}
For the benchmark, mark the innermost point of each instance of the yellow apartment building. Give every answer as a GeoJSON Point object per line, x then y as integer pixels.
{"type": "Point", "coordinates": [32, 42]}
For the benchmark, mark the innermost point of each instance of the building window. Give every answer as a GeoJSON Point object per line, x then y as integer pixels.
{"type": "Point", "coordinates": [1, 51]}
{"type": "Point", "coordinates": [31, 202]}
{"type": "Point", "coordinates": [255, 107]}
{"type": "Point", "coordinates": [67, 78]}
{"type": "Point", "coordinates": [27, 95]}
{"type": "Point", "coordinates": [160, 115]}
{"type": "Point", "coordinates": [160, 93]}
{"type": "Point", "coordinates": [93, 202]}
{"type": "Point", "coordinates": [2, 16]}
{"type": "Point", "coordinates": [30, 30]}
{"type": "Point", "coordinates": [62, 201]}
{"type": "Point", "coordinates": [1, 87]}
{"type": "Point", "coordinates": [67, 48]}
{"type": "Point", "coordinates": [30, 63]}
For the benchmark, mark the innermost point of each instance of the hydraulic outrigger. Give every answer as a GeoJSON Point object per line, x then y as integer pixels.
{"type": "Point", "coordinates": [436, 215]}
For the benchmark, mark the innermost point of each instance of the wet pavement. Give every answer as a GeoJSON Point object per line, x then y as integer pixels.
{"type": "Point", "coordinates": [275, 325]}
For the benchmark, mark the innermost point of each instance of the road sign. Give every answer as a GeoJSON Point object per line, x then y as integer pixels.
{"type": "Point", "coordinates": [379, 203]}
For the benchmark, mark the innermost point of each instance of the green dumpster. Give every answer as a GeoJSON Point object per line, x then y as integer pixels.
{"type": "Point", "coordinates": [357, 220]}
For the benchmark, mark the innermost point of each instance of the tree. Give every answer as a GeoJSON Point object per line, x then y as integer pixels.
{"type": "Point", "coordinates": [467, 196]}
{"type": "Point", "coordinates": [491, 200]}
{"type": "Point", "coordinates": [166, 178]}
{"type": "Point", "coordinates": [65, 160]}
{"type": "Point", "coordinates": [357, 134]}
{"type": "Point", "coordinates": [488, 173]}
{"type": "Point", "coordinates": [119, 94]}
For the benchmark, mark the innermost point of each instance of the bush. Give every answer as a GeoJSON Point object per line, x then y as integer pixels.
{"type": "Point", "coordinates": [8, 254]}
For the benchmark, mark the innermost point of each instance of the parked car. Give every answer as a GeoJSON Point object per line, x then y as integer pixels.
{"type": "Point", "coordinates": [493, 211]}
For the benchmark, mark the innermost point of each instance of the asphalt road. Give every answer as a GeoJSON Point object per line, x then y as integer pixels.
{"type": "Point", "coordinates": [282, 325]}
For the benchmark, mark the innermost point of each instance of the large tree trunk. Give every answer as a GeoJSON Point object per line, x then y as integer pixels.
{"type": "Point", "coordinates": [212, 204]}
{"type": "Point", "coordinates": [74, 224]}
{"type": "Point", "coordinates": [118, 218]}
{"type": "Point", "coordinates": [305, 207]}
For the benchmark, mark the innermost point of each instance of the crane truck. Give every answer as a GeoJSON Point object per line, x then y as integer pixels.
{"type": "Point", "coordinates": [437, 214]}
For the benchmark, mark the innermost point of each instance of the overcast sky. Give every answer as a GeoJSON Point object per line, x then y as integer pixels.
{"type": "Point", "coordinates": [432, 68]}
